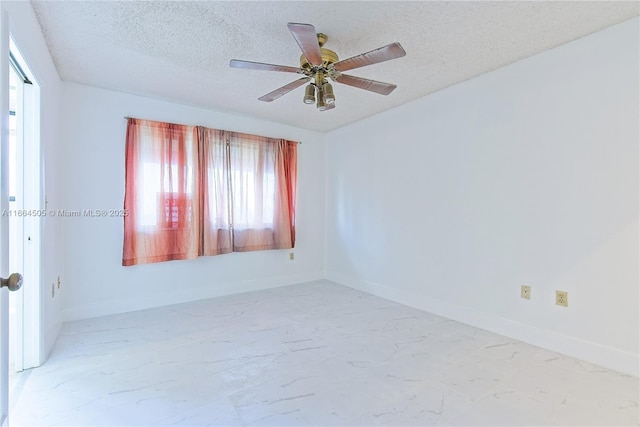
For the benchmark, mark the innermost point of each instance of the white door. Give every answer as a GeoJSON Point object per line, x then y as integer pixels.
{"type": "Point", "coordinates": [13, 281]}
{"type": "Point", "coordinates": [16, 223]}
{"type": "Point", "coordinates": [4, 220]}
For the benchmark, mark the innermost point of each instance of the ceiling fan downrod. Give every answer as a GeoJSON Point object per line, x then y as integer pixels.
{"type": "Point", "coordinates": [320, 91]}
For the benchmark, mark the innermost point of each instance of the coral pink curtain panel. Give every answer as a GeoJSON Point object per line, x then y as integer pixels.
{"type": "Point", "coordinates": [161, 194]}
{"type": "Point", "coordinates": [194, 191]}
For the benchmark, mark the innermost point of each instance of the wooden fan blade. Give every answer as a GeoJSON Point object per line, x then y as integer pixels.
{"type": "Point", "coordinates": [248, 65]}
{"type": "Point", "coordinates": [272, 96]}
{"type": "Point", "coordinates": [366, 84]}
{"type": "Point", "coordinates": [385, 53]}
{"type": "Point", "coordinates": [305, 35]}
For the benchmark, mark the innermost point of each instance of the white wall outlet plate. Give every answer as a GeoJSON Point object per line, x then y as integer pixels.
{"type": "Point", "coordinates": [525, 291]}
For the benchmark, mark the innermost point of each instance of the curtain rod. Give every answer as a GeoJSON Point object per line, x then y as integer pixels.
{"type": "Point", "coordinates": [127, 118]}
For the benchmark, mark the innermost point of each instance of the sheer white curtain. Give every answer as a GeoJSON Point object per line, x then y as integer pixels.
{"type": "Point", "coordinates": [259, 197]}
{"type": "Point", "coordinates": [216, 236]}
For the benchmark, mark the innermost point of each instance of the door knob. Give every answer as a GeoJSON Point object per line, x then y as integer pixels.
{"type": "Point", "coordinates": [13, 282]}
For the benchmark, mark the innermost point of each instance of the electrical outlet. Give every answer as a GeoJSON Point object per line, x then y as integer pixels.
{"type": "Point", "coordinates": [525, 291]}
{"type": "Point", "coordinates": [291, 256]}
{"type": "Point", "coordinates": [58, 282]}
{"type": "Point", "coordinates": [562, 298]}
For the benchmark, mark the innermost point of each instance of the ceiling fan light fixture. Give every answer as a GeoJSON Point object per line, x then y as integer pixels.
{"type": "Point", "coordinates": [321, 105]}
{"type": "Point", "coordinates": [309, 94]}
{"type": "Point", "coordinates": [329, 97]}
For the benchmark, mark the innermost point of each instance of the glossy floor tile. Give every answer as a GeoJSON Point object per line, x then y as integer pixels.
{"type": "Point", "coordinates": [315, 354]}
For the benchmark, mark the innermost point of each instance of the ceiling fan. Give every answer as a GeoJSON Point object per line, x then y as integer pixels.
{"type": "Point", "coordinates": [318, 63]}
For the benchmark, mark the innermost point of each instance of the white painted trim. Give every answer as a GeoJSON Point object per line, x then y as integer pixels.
{"type": "Point", "coordinates": [17, 230]}
{"type": "Point", "coordinates": [124, 305]}
{"type": "Point", "coordinates": [52, 330]}
{"type": "Point", "coordinates": [32, 193]}
{"type": "Point", "coordinates": [595, 353]}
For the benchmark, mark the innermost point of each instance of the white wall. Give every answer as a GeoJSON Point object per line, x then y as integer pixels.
{"type": "Point", "coordinates": [27, 35]}
{"type": "Point", "coordinates": [525, 175]}
{"type": "Point", "coordinates": [528, 174]}
{"type": "Point", "coordinates": [94, 281]}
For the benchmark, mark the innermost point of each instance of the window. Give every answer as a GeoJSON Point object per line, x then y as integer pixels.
{"type": "Point", "coordinates": [193, 191]}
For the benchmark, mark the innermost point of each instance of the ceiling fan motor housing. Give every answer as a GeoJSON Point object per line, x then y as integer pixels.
{"type": "Point", "coordinates": [328, 56]}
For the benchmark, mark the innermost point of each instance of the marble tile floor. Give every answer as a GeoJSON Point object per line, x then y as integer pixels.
{"type": "Point", "coordinates": [315, 354]}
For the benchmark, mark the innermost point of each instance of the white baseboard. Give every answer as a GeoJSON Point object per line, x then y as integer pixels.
{"type": "Point", "coordinates": [124, 305]}
{"type": "Point", "coordinates": [595, 353]}
{"type": "Point", "coordinates": [49, 339]}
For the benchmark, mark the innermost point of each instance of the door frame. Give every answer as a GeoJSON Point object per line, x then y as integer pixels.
{"type": "Point", "coordinates": [30, 317]}
{"type": "Point", "coordinates": [33, 173]}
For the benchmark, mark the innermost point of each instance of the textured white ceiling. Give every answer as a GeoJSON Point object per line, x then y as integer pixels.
{"type": "Point", "coordinates": [180, 51]}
